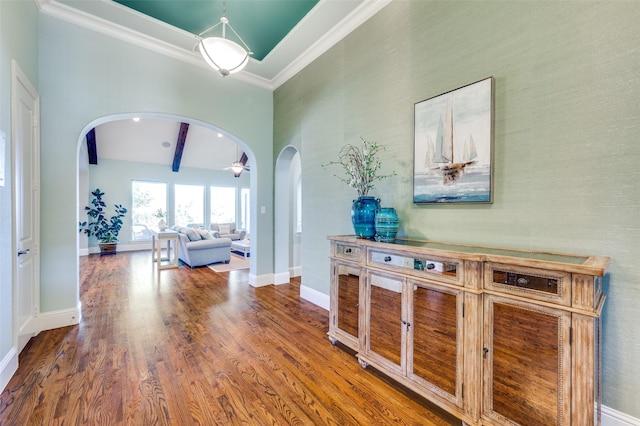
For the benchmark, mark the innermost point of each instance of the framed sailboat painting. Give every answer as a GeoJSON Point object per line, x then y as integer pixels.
{"type": "Point", "coordinates": [453, 146]}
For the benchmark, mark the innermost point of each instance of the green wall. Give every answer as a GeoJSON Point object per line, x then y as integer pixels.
{"type": "Point", "coordinates": [86, 76]}
{"type": "Point", "coordinates": [566, 138]}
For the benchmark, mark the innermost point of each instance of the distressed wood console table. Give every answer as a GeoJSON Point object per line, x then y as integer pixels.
{"type": "Point", "coordinates": [494, 336]}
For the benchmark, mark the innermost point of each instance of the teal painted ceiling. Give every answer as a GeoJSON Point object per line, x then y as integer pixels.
{"type": "Point", "coordinates": [262, 24]}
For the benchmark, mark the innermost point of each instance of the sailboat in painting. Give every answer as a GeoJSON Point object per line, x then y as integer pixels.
{"type": "Point", "coordinates": [451, 167]}
{"type": "Point", "coordinates": [453, 163]}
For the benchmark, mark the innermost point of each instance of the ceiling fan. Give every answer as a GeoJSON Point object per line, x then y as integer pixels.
{"type": "Point", "coordinates": [237, 167]}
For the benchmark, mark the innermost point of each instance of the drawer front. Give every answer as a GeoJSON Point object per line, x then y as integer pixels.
{"type": "Point", "coordinates": [538, 284]}
{"type": "Point", "coordinates": [439, 269]}
{"type": "Point", "coordinates": [348, 251]}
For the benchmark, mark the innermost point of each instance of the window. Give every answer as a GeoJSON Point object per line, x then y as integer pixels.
{"type": "Point", "coordinates": [189, 205]}
{"type": "Point", "coordinates": [149, 205]}
{"type": "Point", "coordinates": [223, 204]}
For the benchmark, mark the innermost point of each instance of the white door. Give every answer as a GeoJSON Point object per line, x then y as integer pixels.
{"type": "Point", "coordinates": [26, 196]}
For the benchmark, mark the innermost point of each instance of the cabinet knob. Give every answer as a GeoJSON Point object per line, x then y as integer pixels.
{"type": "Point", "coordinates": [347, 250]}
{"type": "Point", "coordinates": [430, 266]}
{"type": "Point", "coordinates": [387, 258]}
{"type": "Point", "coordinates": [485, 351]}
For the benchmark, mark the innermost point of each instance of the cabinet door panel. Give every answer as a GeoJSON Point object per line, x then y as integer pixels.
{"type": "Point", "coordinates": [527, 372]}
{"type": "Point", "coordinates": [435, 338]}
{"type": "Point", "coordinates": [385, 314]}
{"type": "Point", "coordinates": [348, 298]}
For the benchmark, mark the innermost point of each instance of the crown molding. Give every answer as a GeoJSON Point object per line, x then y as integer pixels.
{"type": "Point", "coordinates": [357, 17]}
{"type": "Point", "coordinates": [86, 20]}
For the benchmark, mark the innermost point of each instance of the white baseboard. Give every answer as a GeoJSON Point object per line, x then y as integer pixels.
{"type": "Point", "coordinates": [295, 271]}
{"type": "Point", "coordinates": [8, 367]}
{"type": "Point", "coordinates": [261, 280]}
{"type": "Point", "coordinates": [611, 417]}
{"type": "Point", "coordinates": [281, 278]}
{"type": "Point", "coordinates": [61, 318]}
{"type": "Point", "coordinates": [314, 296]}
{"type": "Point", "coordinates": [121, 247]}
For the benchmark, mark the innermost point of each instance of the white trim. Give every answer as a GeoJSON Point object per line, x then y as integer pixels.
{"type": "Point", "coordinates": [20, 79]}
{"type": "Point", "coordinates": [281, 278]}
{"type": "Point", "coordinates": [295, 271]}
{"type": "Point", "coordinates": [611, 417]}
{"type": "Point", "coordinates": [8, 367]}
{"type": "Point", "coordinates": [314, 296]}
{"type": "Point", "coordinates": [120, 32]}
{"type": "Point", "coordinates": [121, 248]}
{"type": "Point", "coordinates": [357, 17]}
{"type": "Point", "coordinates": [60, 318]}
{"type": "Point", "coordinates": [261, 280]}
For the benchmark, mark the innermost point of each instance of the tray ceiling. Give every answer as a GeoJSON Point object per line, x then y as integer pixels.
{"type": "Point", "coordinates": [286, 35]}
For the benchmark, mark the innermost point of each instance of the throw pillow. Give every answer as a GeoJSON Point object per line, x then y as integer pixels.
{"type": "Point", "coordinates": [224, 229]}
{"type": "Point", "coordinates": [191, 233]}
{"type": "Point", "coordinates": [205, 235]}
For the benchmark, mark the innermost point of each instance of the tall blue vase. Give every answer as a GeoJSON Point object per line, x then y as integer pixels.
{"type": "Point", "coordinates": [363, 214]}
{"type": "Point", "coordinates": [386, 224]}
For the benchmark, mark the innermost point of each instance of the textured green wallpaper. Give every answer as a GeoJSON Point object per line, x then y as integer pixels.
{"type": "Point", "coordinates": [567, 79]}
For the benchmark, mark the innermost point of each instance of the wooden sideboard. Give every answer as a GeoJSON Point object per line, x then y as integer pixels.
{"type": "Point", "coordinates": [494, 336]}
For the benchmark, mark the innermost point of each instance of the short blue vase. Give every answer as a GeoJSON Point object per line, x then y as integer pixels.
{"type": "Point", "coordinates": [386, 223]}
{"type": "Point", "coordinates": [363, 214]}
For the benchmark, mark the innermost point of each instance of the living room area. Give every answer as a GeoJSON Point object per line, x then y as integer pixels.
{"type": "Point", "coordinates": [199, 195]}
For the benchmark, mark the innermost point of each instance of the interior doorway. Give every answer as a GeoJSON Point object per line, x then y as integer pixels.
{"type": "Point", "coordinates": [25, 112]}
{"type": "Point", "coordinates": [199, 131]}
{"type": "Point", "coordinates": [288, 215]}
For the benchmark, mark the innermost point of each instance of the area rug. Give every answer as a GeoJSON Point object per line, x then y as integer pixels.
{"type": "Point", "coordinates": [236, 262]}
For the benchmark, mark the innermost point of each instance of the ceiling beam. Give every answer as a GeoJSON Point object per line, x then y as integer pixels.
{"type": "Point", "coordinates": [92, 150]}
{"type": "Point", "coordinates": [182, 138]}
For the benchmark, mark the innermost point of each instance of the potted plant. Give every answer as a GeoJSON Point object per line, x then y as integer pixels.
{"type": "Point", "coordinates": [361, 168]}
{"type": "Point", "coordinates": [105, 229]}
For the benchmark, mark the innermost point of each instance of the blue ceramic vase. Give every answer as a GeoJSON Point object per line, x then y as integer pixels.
{"type": "Point", "coordinates": [363, 214]}
{"type": "Point", "coordinates": [386, 223]}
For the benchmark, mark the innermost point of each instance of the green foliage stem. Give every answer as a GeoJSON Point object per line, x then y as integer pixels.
{"type": "Point", "coordinates": [360, 166]}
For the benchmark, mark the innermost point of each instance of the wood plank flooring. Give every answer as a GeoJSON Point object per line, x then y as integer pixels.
{"type": "Point", "coordinates": [197, 348]}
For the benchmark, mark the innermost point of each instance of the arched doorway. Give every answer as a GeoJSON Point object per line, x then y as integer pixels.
{"type": "Point", "coordinates": [194, 125]}
{"type": "Point", "coordinates": [288, 215]}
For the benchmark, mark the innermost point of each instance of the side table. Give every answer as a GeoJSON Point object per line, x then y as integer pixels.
{"type": "Point", "coordinates": [157, 239]}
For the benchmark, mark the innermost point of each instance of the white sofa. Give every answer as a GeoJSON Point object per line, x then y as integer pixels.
{"type": "Point", "coordinates": [196, 247]}
{"type": "Point", "coordinates": [227, 230]}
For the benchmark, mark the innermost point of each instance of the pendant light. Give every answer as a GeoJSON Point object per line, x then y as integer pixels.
{"type": "Point", "coordinates": [222, 54]}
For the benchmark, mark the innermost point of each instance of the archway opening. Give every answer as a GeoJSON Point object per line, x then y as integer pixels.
{"type": "Point", "coordinates": [207, 169]}
{"type": "Point", "coordinates": [288, 215]}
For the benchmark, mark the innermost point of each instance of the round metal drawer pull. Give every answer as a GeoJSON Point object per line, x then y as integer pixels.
{"type": "Point", "coordinates": [430, 266]}
{"type": "Point", "coordinates": [387, 258]}
{"type": "Point", "coordinates": [522, 281]}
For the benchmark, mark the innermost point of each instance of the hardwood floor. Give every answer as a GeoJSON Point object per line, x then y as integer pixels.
{"type": "Point", "coordinates": [197, 348]}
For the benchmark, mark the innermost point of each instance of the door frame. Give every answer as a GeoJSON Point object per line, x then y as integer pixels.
{"type": "Point", "coordinates": [18, 77]}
